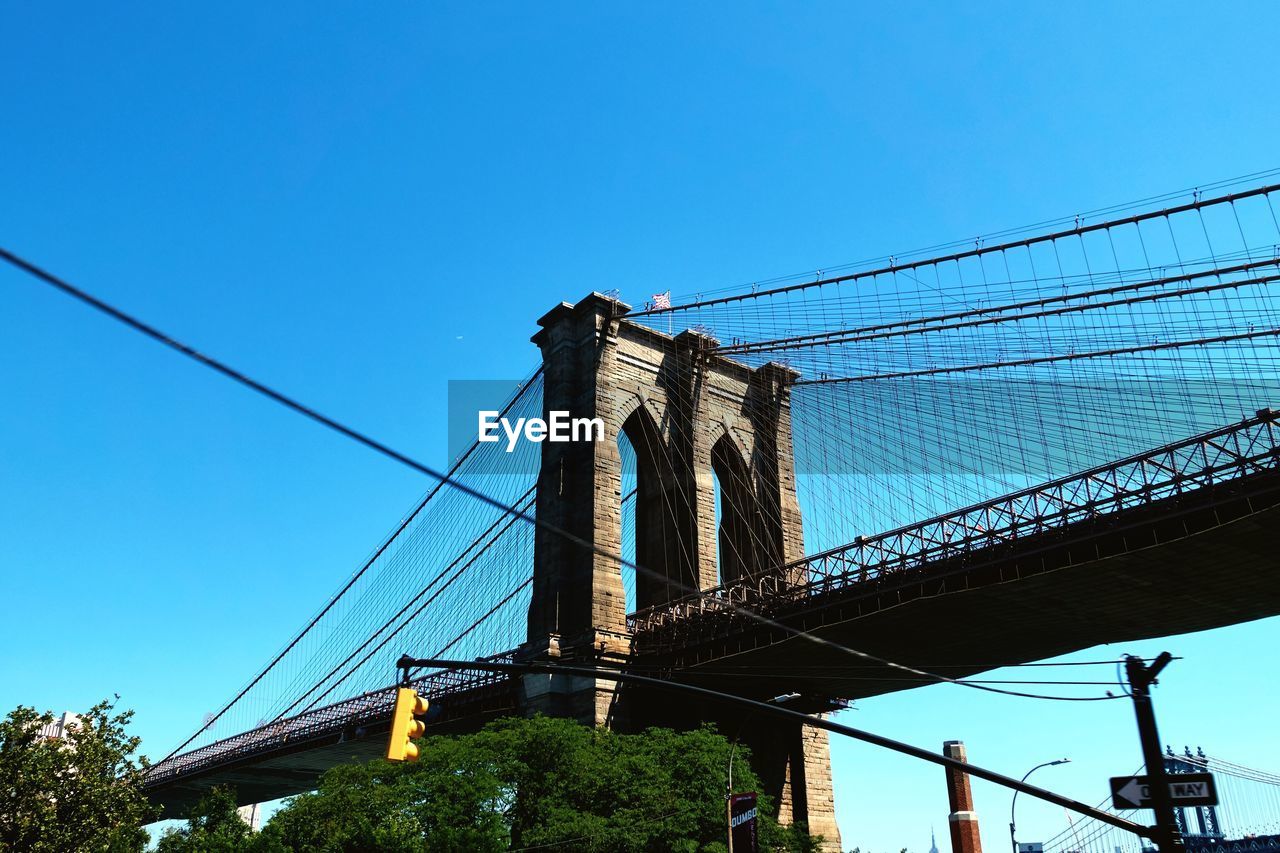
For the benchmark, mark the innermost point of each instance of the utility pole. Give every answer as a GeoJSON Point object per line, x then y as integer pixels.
{"type": "Point", "coordinates": [1168, 838]}
{"type": "Point", "coordinates": [728, 818]}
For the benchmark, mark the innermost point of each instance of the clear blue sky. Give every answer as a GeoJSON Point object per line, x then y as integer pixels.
{"type": "Point", "coordinates": [359, 202]}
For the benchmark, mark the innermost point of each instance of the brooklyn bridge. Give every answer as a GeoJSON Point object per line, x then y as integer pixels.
{"type": "Point", "coordinates": [837, 486]}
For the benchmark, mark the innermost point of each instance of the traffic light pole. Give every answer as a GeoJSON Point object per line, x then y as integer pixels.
{"type": "Point", "coordinates": [1168, 837]}
{"type": "Point", "coordinates": [407, 663]}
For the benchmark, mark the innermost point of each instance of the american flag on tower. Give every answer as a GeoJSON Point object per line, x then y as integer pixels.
{"type": "Point", "coordinates": [662, 300]}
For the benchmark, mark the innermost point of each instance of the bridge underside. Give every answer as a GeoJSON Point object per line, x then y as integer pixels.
{"type": "Point", "coordinates": [292, 765]}
{"type": "Point", "coordinates": [283, 775]}
{"type": "Point", "coordinates": [1201, 560]}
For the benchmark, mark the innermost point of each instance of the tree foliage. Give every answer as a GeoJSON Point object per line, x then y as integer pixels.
{"type": "Point", "coordinates": [214, 825]}
{"type": "Point", "coordinates": [518, 784]}
{"type": "Point", "coordinates": [80, 792]}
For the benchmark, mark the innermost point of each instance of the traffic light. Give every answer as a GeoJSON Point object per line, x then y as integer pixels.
{"type": "Point", "coordinates": [405, 726]}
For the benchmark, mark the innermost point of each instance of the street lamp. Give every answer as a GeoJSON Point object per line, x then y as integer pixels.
{"type": "Point", "coordinates": [1013, 805]}
{"type": "Point", "coordinates": [776, 700]}
{"type": "Point", "coordinates": [728, 788]}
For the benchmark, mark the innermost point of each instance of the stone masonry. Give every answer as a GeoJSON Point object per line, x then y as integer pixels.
{"type": "Point", "coordinates": [687, 413]}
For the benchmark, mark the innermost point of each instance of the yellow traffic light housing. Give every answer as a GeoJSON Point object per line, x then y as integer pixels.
{"type": "Point", "coordinates": [405, 726]}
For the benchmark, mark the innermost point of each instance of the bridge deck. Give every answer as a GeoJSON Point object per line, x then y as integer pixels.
{"type": "Point", "coordinates": [1180, 539]}
{"type": "Point", "coordinates": [1197, 561]}
{"type": "Point", "coordinates": [287, 757]}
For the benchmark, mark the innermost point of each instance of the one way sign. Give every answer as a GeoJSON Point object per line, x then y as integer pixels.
{"type": "Point", "coordinates": [1185, 789]}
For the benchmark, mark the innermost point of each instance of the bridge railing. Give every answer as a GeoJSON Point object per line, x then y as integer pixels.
{"type": "Point", "coordinates": [1216, 457]}
{"type": "Point", "coordinates": [357, 711]}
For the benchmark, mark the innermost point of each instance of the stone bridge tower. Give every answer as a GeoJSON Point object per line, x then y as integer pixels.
{"type": "Point", "coordinates": [687, 413]}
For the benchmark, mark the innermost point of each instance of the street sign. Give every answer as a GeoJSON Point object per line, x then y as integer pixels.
{"type": "Point", "coordinates": [742, 823]}
{"type": "Point", "coordinates": [1185, 789]}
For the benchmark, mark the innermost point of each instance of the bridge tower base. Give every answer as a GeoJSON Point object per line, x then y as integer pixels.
{"type": "Point", "coordinates": [794, 763]}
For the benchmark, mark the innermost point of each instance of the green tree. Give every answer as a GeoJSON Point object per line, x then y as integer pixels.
{"type": "Point", "coordinates": [523, 783]}
{"type": "Point", "coordinates": [81, 792]}
{"type": "Point", "coordinates": [213, 826]}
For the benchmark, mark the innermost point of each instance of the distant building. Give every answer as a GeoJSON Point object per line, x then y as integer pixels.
{"type": "Point", "coordinates": [57, 730]}
{"type": "Point", "coordinates": [933, 841]}
{"type": "Point", "coordinates": [251, 815]}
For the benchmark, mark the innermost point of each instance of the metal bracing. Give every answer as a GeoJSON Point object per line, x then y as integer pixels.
{"type": "Point", "coordinates": [322, 723]}
{"type": "Point", "coordinates": [1212, 458]}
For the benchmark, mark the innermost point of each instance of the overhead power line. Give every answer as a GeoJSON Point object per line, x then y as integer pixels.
{"type": "Point", "coordinates": [445, 479]}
